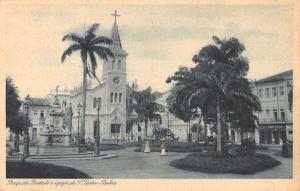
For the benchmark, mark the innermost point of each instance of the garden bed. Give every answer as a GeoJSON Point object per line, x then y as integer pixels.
{"type": "Point", "coordinates": [208, 163]}
{"type": "Point", "coordinates": [41, 170]}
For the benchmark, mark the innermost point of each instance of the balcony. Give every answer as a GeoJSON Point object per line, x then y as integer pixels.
{"type": "Point", "coordinates": [273, 120]}
{"type": "Point", "coordinates": [42, 120]}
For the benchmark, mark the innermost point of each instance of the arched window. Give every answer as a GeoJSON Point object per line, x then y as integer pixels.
{"type": "Point", "coordinates": [111, 97]}
{"type": "Point", "coordinates": [95, 103]}
{"type": "Point", "coordinates": [120, 97]}
{"type": "Point", "coordinates": [116, 97]}
{"type": "Point", "coordinates": [119, 64]}
{"type": "Point", "coordinates": [113, 64]}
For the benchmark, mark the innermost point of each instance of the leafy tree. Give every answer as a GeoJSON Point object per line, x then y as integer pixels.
{"type": "Point", "coordinates": [13, 104]}
{"type": "Point", "coordinates": [22, 123]}
{"type": "Point", "coordinates": [88, 45]}
{"type": "Point", "coordinates": [218, 77]}
{"type": "Point", "coordinates": [146, 107]}
{"type": "Point", "coordinates": [163, 133]}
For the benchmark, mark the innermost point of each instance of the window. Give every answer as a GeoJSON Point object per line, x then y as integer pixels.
{"type": "Point", "coordinates": [275, 114]}
{"type": "Point", "coordinates": [95, 103]}
{"type": "Point", "coordinates": [115, 128]}
{"type": "Point", "coordinates": [119, 64]}
{"type": "Point", "coordinates": [282, 114]}
{"type": "Point", "coordinates": [281, 91]}
{"type": "Point", "coordinates": [268, 112]}
{"type": "Point", "coordinates": [274, 91]}
{"type": "Point", "coordinates": [34, 134]}
{"type": "Point", "coordinates": [35, 112]}
{"type": "Point", "coordinates": [111, 97]}
{"type": "Point", "coordinates": [260, 92]}
{"type": "Point", "coordinates": [120, 97]}
{"type": "Point", "coordinates": [267, 92]}
{"type": "Point", "coordinates": [116, 97]}
{"type": "Point", "coordinates": [113, 64]}
{"type": "Point", "coordinates": [42, 114]}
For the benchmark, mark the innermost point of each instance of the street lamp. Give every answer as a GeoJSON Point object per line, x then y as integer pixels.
{"type": "Point", "coordinates": [97, 136]}
{"type": "Point", "coordinates": [79, 106]}
{"type": "Point", "coordinates": [168, 124]}
{"type": "Point", "coordinates": [26, 133]}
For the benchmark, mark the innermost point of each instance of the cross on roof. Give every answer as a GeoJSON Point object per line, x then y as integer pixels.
{"type": "Point", "coordinates": [115, 15]}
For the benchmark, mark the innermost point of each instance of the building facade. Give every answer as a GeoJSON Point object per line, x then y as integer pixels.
{"type": "Point", "coordinates": [111, 91]}
{"type": "Point", "coordinates": [276, 118]}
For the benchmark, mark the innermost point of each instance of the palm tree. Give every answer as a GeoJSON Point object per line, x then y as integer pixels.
{"type": "Point", "coordinates": [88, 44]}
{"type": "Point", "coordinates": [146, 107]}
{"type": "Point", "coordinates": [218, 76]}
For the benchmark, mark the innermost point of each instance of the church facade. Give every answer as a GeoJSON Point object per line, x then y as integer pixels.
{"type": "Point", "coordinates": [112, 92]}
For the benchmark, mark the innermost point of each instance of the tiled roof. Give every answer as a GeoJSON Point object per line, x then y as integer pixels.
{"type": "Point", "coordinates": [39, 102]}
{"type": "Point", "coordinates": [281, 76]}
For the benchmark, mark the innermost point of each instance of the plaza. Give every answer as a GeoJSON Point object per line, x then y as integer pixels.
{"type": "Point", "coordinates": [212, 112]}
{"type": "Point", "coordinates": [138, 165]}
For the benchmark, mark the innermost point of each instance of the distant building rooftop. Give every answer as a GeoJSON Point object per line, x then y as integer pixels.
{"type": "Point", "coordinates": [280, 76]}
{"type": "Point", "coordinates": [39, 102]}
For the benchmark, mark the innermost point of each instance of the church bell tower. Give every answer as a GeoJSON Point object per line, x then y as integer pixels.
{"type": "Point", "coordinates": [115, 77]}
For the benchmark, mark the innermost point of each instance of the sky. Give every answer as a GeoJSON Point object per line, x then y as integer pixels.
{"type": "Point", "coordinates": [158, 39]}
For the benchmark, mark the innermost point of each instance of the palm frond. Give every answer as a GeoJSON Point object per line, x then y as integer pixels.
{"type": "Point", "coordinates": [217, 41]}
{"type": "Point", "coordinates": [92, 30]}
{"type": "Point", "coordinates": [73, 37]}
{"type": "Point", "coordinates": [93, 63]}
{"type": "Point", "coordinates": [102, 52]}
{"type": "Point", "coordinates": [69, 51]}
{"type": "Point", "coordinates": [101, 40]}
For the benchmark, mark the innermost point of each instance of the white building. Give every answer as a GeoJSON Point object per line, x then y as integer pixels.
{"type": "Point", "coordinates": [275, 121]}
{"type": "Point", "coordinates": [276, 118]}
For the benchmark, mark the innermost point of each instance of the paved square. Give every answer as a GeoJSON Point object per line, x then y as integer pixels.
{"type": "Point", "coordinates": [137, 165]}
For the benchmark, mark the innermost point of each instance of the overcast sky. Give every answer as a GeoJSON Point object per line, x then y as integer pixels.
{"type": "Point", "coordinates": [158, 40]}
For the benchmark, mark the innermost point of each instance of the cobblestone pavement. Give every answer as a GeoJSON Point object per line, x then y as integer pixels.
{"type": "Point", "coordinates": [139, 165]}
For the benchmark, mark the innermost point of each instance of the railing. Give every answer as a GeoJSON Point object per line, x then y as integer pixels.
{"type": "Point", "coordinates": [42, 120]}
{"type": "Point", "coordinates": [274, 120]}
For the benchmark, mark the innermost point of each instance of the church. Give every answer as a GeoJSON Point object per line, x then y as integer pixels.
{"type": "Point", "coordinates": [114, 92]}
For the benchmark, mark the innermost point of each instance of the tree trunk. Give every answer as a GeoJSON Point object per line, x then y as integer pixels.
{"type": "Point", "coordinates": [17, 143]}
{"type": "Point", "coordinates": [82, 129]}
{"type": "Point", "coordinates": [146, 128]}
{"type": "Point", "coordinates": [97, 137]}
{"type": "Point", "coordinates": [219, 128]}
{"type": "Point", "coordinates": [242, 135]}
{"type": "Point", "coordinates": [205, 129]}
{"type": "Point", "coordinates": [198, 129]}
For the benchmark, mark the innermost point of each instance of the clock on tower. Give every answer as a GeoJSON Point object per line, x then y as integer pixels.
{"type": "Point", "coordinates": [116, 80]}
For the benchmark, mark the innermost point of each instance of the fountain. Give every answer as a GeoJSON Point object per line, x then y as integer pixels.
{"type": "Point", "coordinates": [54, 136]}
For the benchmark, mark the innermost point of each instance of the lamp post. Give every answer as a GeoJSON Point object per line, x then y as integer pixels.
{"type": "Point", "coordinates": [79, 106]}
{"type": "Point", "coordinates": [97, 136]}
{"type": "Point", "coordinates": [168, 124]}
{"type": "Point", "coordinates": [26, 133]}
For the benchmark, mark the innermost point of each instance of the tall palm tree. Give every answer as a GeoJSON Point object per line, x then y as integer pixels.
{"type": "Point", "coordinates": [219, 74]}
{"type": "Point", "coordinates": [146, 107]}
{"type": "Point", "coordinates": [88, 45]}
